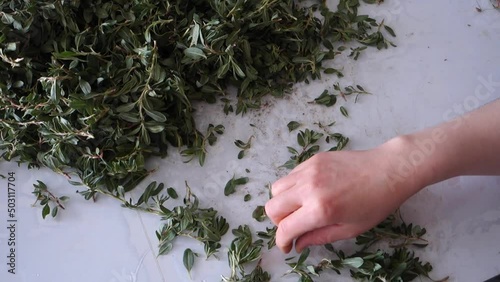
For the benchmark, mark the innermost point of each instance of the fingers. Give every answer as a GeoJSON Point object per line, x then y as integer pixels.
{"type": "Point", "coordinates": [293, 226]}
{"type": "Point", "coordinates": [282, 205]}
{"type": "Point", "coordinates": [292, 179]}
{"type": "Point", "coordinates": [324, 235]}
{"type": "Point", "coordinates": [284, 184]}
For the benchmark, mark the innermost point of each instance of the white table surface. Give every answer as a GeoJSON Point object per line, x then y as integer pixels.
{"type": "Point", "coordinates": [446, 49]}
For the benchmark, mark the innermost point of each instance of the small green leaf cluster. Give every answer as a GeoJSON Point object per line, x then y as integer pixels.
{"type": "Point", "coordinates": [325, 99]}
{"type": "Point", "coordinates": [341, 140]}
{"type": "Point", "coordinates": [378, 266]}
{"type": "Point", "coordinates": [329, 100]}
{"type": "Point", "coordinates": [244, 146]}
{"type": "Point", "coordinates": [350, 90]}
{"type": "Point", "coordinates": [198, 148]}
{"type": "Point", "coordinates": [231, 185]}
{"type": "Point", "coordinates": [243, 250]}
{"type": "Point", "coordinates": [269, 235]}
{"type": "Point", "coordinates": [375, 266]}
{"type": "Point", "coordinates": [259, 213]}
{"type": "Point", "coordinates": [307, 140]}
{"type": "Point", "coordinates": [45, 198]}
{"type": "Point", "coordinates": [189, 220]}
{"type": "Point", "coordinates": [399, 235]}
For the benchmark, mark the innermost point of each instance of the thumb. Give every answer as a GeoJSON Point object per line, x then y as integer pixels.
{"type": "Point", "coordinates": [324, 235]}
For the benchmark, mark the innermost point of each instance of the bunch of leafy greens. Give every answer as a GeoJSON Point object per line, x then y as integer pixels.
{"type": "Point", "coordinates": [93, 88]}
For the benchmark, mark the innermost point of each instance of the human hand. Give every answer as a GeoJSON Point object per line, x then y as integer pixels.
{"type": "Point", "coordinates": [338, 195]}
{"type": "Point", "coordinates": [335, 196]}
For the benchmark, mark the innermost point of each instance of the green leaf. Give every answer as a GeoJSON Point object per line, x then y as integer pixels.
{"type": "Point", "coordinates": [241, 181]}
{"type": "Point", "coordinates": [194, 53]}
{"type": "Point", "coordinates": [45, 210]}
{"type": "Point", "coordinates": [390, 31]}
{"type": "Point", "coordinates": [247, 197]}
{"type": "Point", "coordinates": [303, 256]}
{"type": "Point", "coordinates": [130, 117]}
{"type": "Point", "coordinates": [290, 164]}
{"type": "Point", "coordinates": [230, 187]}
{"type": "Point", "coordinates": [157, 116]}
{"type": "Point", "coordinates": [201, 157]}
{"type": "Point", "coordinates": [155, 128]}
{"type": "Point", "coordinates": [188, 260]}
{"type": "Point", "coordinates": [344, 111]}
{"type": "Point", "coordinates": [85, 87]}
{"type": "Point", "coordinates": [259, 213]}
{"type": "Point", "coordinates": [301, 60]}
{"type": "Point", "coordinates": [172, 193]}
{"type": "Point", "coordinates": [125, 108]}
{"type": "Point", "coordinates": [326, 99]}
{"type": "Point", "coordinates": [355, 262]}
{"type": "Point", "coordinates": [54, 211]}
{"type": "Point", "coordinates": [241, 154]}
{"type": "Point", "coordinates": [165, 248]}
{"type": "Point", "coordinates": [331, 71]}
{"type": "Point", "coordinates": [40, 185]}
{"type": "Point", "coordinates": [398, 271]}
{"type": "Point", "coordinates": [293, 125]}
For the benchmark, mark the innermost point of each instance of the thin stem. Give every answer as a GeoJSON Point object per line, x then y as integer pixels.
{"type": "Point", "coordinates": [55, 199]}
{"type": "Point", "coordinates": [130, 206]}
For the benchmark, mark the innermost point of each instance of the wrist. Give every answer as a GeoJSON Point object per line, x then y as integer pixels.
{"type": "Point", "coordinates": [406, 165]}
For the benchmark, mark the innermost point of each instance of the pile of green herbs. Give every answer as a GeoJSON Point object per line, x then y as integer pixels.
{"type": "Point", "coordinates": [92, 89]}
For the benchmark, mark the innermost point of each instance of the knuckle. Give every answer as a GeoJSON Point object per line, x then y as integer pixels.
{"type": "Point", "coordinates": [275, 187]}
{"type": "Point", "coordinates": [324, 210]}
{"type": "Point", "coordinates": [315, 182]}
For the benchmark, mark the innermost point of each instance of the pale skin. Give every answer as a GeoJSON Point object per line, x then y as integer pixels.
{"type": "Point", "coordinates": [339, 195]}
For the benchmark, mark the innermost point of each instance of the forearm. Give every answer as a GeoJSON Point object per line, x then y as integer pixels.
{"type": "Point", "coordinates": [469, 145]}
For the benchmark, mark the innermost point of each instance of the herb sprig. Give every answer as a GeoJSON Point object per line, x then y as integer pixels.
{"type": "Point", "coordinates": [44, 197]}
